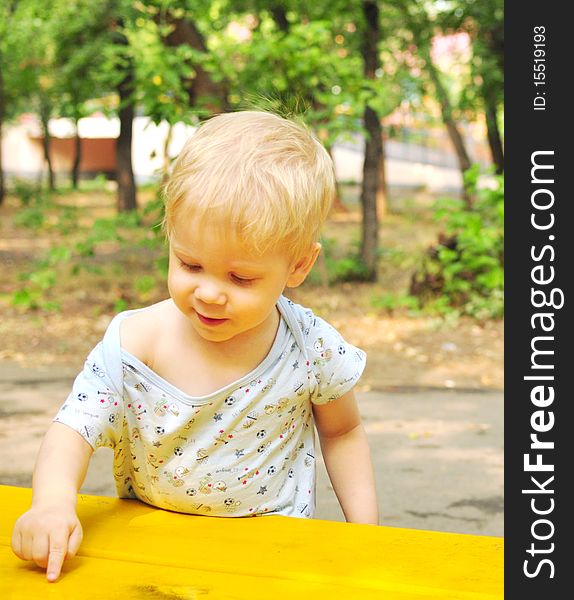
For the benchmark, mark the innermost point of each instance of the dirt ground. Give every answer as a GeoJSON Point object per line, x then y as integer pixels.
{"type": "Point", "coordinates": [402, 351]}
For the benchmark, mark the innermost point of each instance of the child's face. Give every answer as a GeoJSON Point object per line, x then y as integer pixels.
{"type": "Point", "coordinates": [224, 290]}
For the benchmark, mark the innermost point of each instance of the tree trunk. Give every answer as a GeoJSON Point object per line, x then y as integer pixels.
{"type": "Point", "coordinates": [46, 142]}
{"type": "Point", "coordinates": [492, 90]}
{"type": "Point", "coordinates": [201, 85]}
{"type": "Point", "coordinates": [126, 195]}
{"type": "Point", "coordinates": [493, 133]}
{"type": "Point", "coordinates": [77, 156]}
{"type": "Point", "coordinates": [456, 138]}
{"type": "Point", "coordinates": [126, 200]}
{"type": "Point", "coordinates": [279, 14]}
{"type": "Point", "coordinates": [370, 185]}
{"type": "Point", "coordinates": [373, 146]}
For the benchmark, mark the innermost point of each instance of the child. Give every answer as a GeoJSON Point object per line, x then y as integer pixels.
{"type": "Point", "coordinates": [209, 397]}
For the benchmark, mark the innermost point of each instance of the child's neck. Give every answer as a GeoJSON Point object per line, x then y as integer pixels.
{"type": "Point", "coordinates": [253, 345]}
{"type": "Point", "coordinates": [200, 367]}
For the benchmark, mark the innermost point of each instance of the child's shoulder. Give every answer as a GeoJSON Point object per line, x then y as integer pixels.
{"type": "Point", "coordinates": [141, 329]}
{"type": "Point", "coordinates": [308, 320]}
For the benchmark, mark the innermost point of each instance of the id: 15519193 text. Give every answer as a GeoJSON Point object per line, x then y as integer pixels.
{"type": "Point", "coordinates": [539, 73]}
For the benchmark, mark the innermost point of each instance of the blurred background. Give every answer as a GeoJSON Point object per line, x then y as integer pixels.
{"type": "Point", "coordinates": [97, 99]}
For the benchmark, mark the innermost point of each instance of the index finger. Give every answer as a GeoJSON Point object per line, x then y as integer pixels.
{"type": "Point", "coordinates": [17, 543]}
{"type": "Point", "coordinates": [57, 553]}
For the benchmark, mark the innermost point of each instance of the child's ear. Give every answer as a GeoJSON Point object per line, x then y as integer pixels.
{"type": "Point", "coordinates": [301, 267]}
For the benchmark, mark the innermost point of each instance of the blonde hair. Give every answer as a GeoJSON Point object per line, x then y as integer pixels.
{"type": "Point", "coordinates": [267, 177]}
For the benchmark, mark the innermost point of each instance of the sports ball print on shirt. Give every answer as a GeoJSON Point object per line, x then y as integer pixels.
{"type": "Point", "coordinates": [246, 449]}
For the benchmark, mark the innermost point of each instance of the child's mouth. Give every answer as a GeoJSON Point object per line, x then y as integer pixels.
{"type": "Point", "coordinates": [208, 320]}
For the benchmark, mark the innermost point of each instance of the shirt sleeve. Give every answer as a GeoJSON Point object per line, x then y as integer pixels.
{"type": "Point", "coordinates": [336, 364]}
{"type": "Point", "coordinates": [94, 409]}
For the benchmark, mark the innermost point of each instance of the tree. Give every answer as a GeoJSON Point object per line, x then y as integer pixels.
{"type": "Point", "coordinates": [313, 59]}
{"type": "Point", "coordinates": [9, 55]}
{"type": "Point", "coordinates": [2, 117]}
{"type": "Point", "coordinates": [484, 23]}
{"type": "Point", "coordinates": [125, 82]}
{"type": "Point", "coordinates": [262, 58]}
{"type": "Point", "coordinates": [50, 63]}
{"type": "Point", "coordinates": [373, 144]}
{"type": "Point", "coordinates": [376, 93]}
{"type": "Point", "coordinates": [422, 28]}
{"type": "Point", "coordinates": [159, 66]}
{"type": "Point", "coordinates": [180, 31]}
{"type": "Point", "coordinates": [25, 54]}
{"type": "Point", "coordinates": [39, 66]}
{"type": "Point", "coordinates": [447, 112]}
{"type": "Point", "coordinates": [82, 35]}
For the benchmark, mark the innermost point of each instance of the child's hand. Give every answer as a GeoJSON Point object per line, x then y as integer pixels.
{"type": "Point", "coordinates": [47, 535]}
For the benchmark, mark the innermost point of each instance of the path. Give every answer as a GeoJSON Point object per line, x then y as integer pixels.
{"type": "Point", "coordinates": [438, 453]}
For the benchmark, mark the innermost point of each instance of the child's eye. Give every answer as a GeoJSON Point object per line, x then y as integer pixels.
{"type": "Point", "coordinates": [241, 280]}
{"type": "Point", "coordinates": [188, 267]}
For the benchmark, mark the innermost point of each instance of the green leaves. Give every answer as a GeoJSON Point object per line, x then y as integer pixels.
{"type": "Point", "coordinates": [310, 62]}
{"type": "Point", "coordinates": [466, 268]}
{"type": "Point", "coordinates": [83, 247]}
{"type": "Point", "coordinates": [30, 218]}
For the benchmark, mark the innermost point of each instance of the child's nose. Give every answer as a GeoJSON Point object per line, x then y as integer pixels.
{"type": "Point", "coordinates": [209, 292]}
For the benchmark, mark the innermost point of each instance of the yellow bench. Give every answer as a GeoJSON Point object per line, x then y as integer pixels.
{"type": "Point", "coordinates": [131, 550]}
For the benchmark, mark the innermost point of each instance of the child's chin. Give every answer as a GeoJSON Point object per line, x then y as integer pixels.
{"type": "Point", "coordinates": [213, 334]}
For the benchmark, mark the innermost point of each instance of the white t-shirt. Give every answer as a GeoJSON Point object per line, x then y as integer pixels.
{"type": "Point", "coordinates": [245, 449]}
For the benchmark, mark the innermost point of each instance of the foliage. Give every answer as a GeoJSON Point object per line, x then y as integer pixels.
{"type": "Point", "coordinates": [348, 268]}
{"type": "Point", "coordinates": [27, 192]}
{"type": "Point", "coordinates": [19, 53]}
{"type": "Point", "coordinates": [161, 71]}
{"type": "Point", "coordinates": [391, 302]}
{"type": "Point", "coordinates": [320, 88]}
{"type": "Point", "coordinates": [35, 291]}
{"type": "Point", "coordinates": [465, 270]}
{"type": "Point", "coordinates": [308, 60]}
{"type": "Point", "coordinates": [338, 266]}
{"type": "Point", "coordinates": [30, 218]}
{"type": "Point", "coordinates": [67, 57]}
{"type": "Point", "coordinates": [484, 23]}
{"type": "Point", "coordinates": [83, 251]}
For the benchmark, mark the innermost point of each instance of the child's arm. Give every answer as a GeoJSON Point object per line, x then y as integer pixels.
{"type": "Point", "coordinates": [50, 531]}
{"type": "Point", "coordinates": [347, 458]}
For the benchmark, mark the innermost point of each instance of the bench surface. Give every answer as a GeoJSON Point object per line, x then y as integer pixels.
{"type": "Point", "coordinates": [131, 550]}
